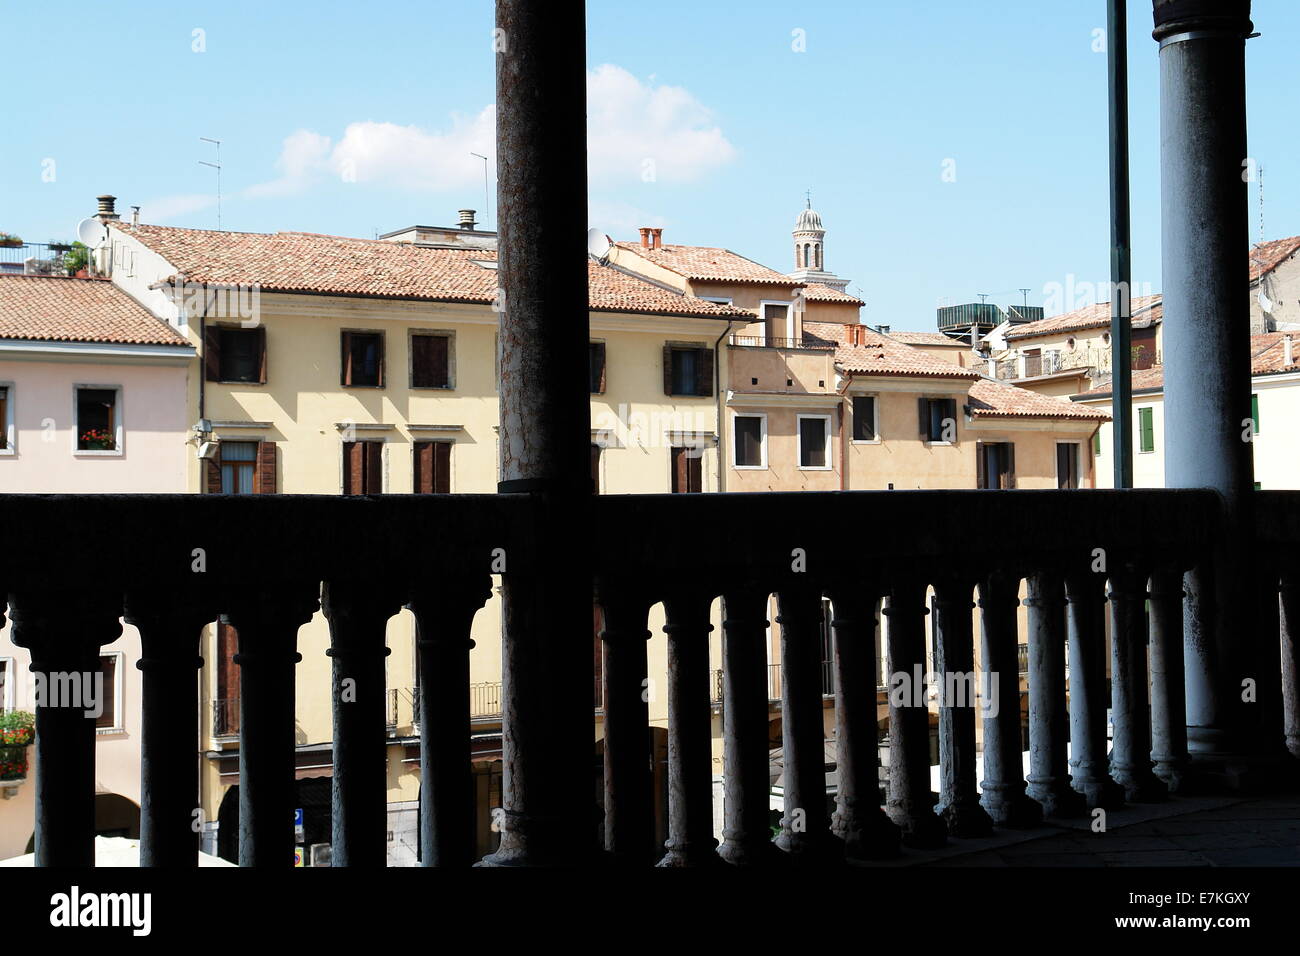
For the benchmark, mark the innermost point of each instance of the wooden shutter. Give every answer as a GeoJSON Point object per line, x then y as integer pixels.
{"type": "Point", "coordinates": [211, 477]}
{"type": "Point", "coordinates": [227, 678]}
{"type": "Point", "coordinates": [950, 412]}
{"type": "Point", "coordinates": [981, 465]}
{"type": "Point", "coordinates": [668, 369]}
{"type": "Point", "coordinates": [261, 354]}
{"type": "Point", "coordinates": [595, 468]}
{"type": "Point", "coordinates": [596, 356]}
{"type": "Point", "coordinates": [680, 478]}
{"type": "Point", "coordinates": [923, 415]}
{"type": "Point", "coordinates": [1011, 464]}
{"type": "Point", "coordinates": [353, 468]}
{"type": "Point", "coordinates": [423, 461]}
{"type": "Point", "coordinates": [430, 361]}
{"type": "Point", "coordinates": [346, 344]}
{"type": "Point", "coordinates": [432, 467]}
{"type": "Point", "coordinates": [264, 478]}
{"type": "Point", "coordinates": [704, 372]}
{"type": "Point", "coordinates": [379, 358]}
{"type": "Point", "coordinates": [374, 480]}
{"type": "Point", "coordinates": [695, 472]}
{"type": "Point", "coordinates": [212, 353]}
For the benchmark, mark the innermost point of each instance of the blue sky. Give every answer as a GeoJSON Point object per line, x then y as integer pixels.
{"type": "Point", "coordinates": [346, 119]}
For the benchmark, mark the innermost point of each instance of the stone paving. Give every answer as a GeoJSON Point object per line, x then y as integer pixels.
{"type": "Point", "coordinates": [1183, 831]}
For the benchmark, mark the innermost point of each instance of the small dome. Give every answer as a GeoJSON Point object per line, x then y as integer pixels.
{"type": "Point", "coordinates": [809, 221]}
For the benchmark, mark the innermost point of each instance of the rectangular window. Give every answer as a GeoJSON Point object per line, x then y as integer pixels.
{"type": "Point", "coordinates": [108, 715]}
{"type": "Point", "coordinates": [432, 467]}
{"type": "Point", "coordinates": [776, 317]}
{"type": "Point", "coordinates": [363, 359]}
{"type": "Point", "coordinates": [238, 462]}
{"type": "Point", "coordinates": [996, 464]}
{"type": "Point", "coordinates": [688, 370]}
{"type": "Point", "coordinates": [1033, 362]}
{"type": "Point", "coordinates": [1146, 429]}
{"type": "Point", "coordinates": [687, 476]}
{"type": "Point", "coordinates": [363, 467]}
{"type": "Point", "coordinates": [242, 354]}
{"type": "Point", "coordinates": [749, 444]}
{"type": "Point", "coordinates": [814, 441]}
{"type": "Point", "coordinates": [596, 367]}
{"type": "Point", "coordinates": [1067, 465]}
{"type": "Point", "coordinates": [1096, 442]}
{"type": "Point", "coordinates": [864, 418]}
{"type": "Point", "coordinates": [225, 708]}
{"type": "Point", "coordinates": [938, 419]}
{"type": "Point", "coordinates": [430, 361]}
{"type": "Point", "coordinates": [1254, 412]}
{"type": "Point", "coordinates": [97, 419]}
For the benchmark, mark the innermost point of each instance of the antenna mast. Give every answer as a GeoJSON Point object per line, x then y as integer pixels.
{"type": "Point", "coordinates": [217, 167]}
{"type": "Point", "coordinates": [487, 202]}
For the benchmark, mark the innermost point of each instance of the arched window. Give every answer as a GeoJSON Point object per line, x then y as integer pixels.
{"type": "Point", "coordinates": [807, 251]}
{"type": "Point", "coordinates": [817, 255]}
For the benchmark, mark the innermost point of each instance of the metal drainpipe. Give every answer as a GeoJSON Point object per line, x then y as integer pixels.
{"type": "Point", "coordinates": [844, 435]}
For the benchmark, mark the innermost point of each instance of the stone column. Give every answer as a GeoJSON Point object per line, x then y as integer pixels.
{"type": "Point", "coordinates": [1089, 764]}
{"type": "Point", "coordinates": [267, 617]}
{"type": "Point", "coordinates": [859, 820]}
{"type": "Point", "coordinates": [1204, 234]}
{"type": "Point", "coordinates": [545, 432]}
{"type": "Point", "coordinates": [1290, 631]}
{"type": "Point", "coordinates": [358, 613]}
{"type": "Point", "coordinates": [746, 839]}
{"type": "Point", "coordinates": [64, 631]}
{"type": "Point", "coordinates": [805, 826]}
{"type": "Point", "coordinates": [1049, 778]}
{"type": "Point", "coordinates": [1003, 786]}
{"type": "Point", "coordinates": [170, 624]}
{"type": "Point", "coordinates": [629, 785]}
{"type": "Point", "coordinates": [910, 804]}
{"type": "Point", "coordinates": [690, 787]}
{"type": "Point", "coordinates": [1168, 701]}
{"type": "Point", "coordinates": [954, 660]}
{"type": "Point", "coordinates": [1130, 756]}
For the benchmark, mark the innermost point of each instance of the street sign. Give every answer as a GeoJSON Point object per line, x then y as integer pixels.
{"type": "Point", "coordinates": [299, 856]}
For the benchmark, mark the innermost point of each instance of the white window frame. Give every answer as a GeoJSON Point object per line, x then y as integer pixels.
{"type": "Point", "coordinates": [789, 316]}
{"type": "Point", "coordinates": [762, 441]}
{"type": "Point", "coordinates": [875, 419]}
{"type": "Point", "coordinates": [940, 443]}
{"type": "Point", "coordinates": [119, 416]}
{"type": "Point", "coordinates": [798, 435]}
{"type": "Point", "coordinates": [7, 425]}
{"type": "Point", "coordinates": [7, 695]}
{"type": "Point", "coordinates": [1078, 462]}
{"type": "Point", "coordinates": [118, 692]}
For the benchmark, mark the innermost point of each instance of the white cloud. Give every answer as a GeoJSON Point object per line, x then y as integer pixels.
{"type": "Point", "coordinates": [172, 207]}
{"type": "Point", "coordinates": [619, 219]}
{"type": "Point", "coordinates": [636, 133]}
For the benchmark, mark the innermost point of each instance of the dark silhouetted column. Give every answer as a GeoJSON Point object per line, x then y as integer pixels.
{"type": "Point", "coordinates": [1130, 755]}
{"type": "Point", "coordinates": [1089, 763]}
{"type": "Point", "coordinates": [1049, 778]}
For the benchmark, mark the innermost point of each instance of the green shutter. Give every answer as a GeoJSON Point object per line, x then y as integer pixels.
{"type": "Point", "coordinates": [1096, 442]}
{"type": "Point", "coordinates": [1146, 426]}
{"type": "Point", "coordinates": [1254, 411]}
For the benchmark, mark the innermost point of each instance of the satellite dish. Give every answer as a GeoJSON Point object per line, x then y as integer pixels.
{"type": "Point", "coordinates": [598, 245]}
{"type": "Point", "coordinates": [92, 232]}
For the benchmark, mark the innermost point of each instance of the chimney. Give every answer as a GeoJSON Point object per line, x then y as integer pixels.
{"type": "Point", "coordinates": [645, 237]}
{"type": "Point", "coordinates": [466, 218]}
{"type": "Point", "coordinates": [106, 207]}
{"type": "Point", "coordinates": [135, 215]}
{"type": "Point", "coordinates": [656, 238]}
{"type": "Point", "coordinates": [1289, 351]}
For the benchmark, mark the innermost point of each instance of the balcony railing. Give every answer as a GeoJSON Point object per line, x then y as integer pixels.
{"type": "Point", "coordinates": [1064, 360]}
{"type": "Point", "coordinates": [225, 717]}
{"type": "Point", "coordinates": [435, 555]}
{"type": "Point", "coordinates": [775, 342]}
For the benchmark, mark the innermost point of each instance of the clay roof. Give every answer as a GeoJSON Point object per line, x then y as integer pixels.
{"type": "Point", "coordinates": [1147, 307]}
{"type": "Point", "coordinates": [58, 309]}
{"type": "Point", "coordinates": [337, 265]}
{"type": "Point", "coordinates": [1267, 256]}
{"type": "Point", "coordinates": [993, 399]}
{"type": "Point", "coordinates": [705, 263]}
{"type": "Point", "coordinates": [816, 292]}
{"type": "Point", "coordinates": [1267, 357]}
{"type": "Point", "coordinates": [861, 350]}
{"type": "Point", "coordinates": [927, 338]}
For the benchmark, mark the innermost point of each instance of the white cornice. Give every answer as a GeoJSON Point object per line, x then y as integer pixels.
{"type": "Point", "coordinates": [44, 351]}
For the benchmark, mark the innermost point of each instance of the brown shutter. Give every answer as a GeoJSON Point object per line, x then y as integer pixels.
{"type": "Point", "coordinates": [353, 467]}
{"type": "Point", "coordinates": [212, 353]}
{"type": "Point", "coordinates": [374, 467]}
{"type": "Point", "coordinates": [1011, 464]}
{"type": "Point", "coordinates": [668, 369]}
{"type": "Point", "coordinates": [211, 477]}
{"type": "Point", "coordinates": [595, 468]}
{"type": "Point", "coordinates": [227, 678]}
{"type": "Point", "coordinates": [264, 480]}
{"type": "Point", "coordinates": [596, 352]}
{"type": "Point", "coordinates": [923, 414]}
{"type": "Point", "coordinates": [679, 477]}
{"type": "Point", "coordinates": [695, 472]}
{"type": "Point", "coordinates": [704, 373]}
{"type": "Point", "coordinates": [261, 354]}
{"type": "Point", "coordinates": [432, 353]}
{"type": "Point", "coordinates": [346, 344]}
{"type": "Point", "coordinates": [423, 459]}
{"type": "Point", "coordinates": [442, 468]}
{"type": "Point", "coordinates": [380, 351]}
{"type": "Point", "coordinates": [981, 465]}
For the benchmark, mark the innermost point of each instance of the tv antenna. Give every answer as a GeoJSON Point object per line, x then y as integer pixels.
{"type": "Point", "coordinates": [1025, 293]}
{"type": "Point", "coordinates": [984, 296]}
{"type": "Point", "coordinates": [487, 201]}
{"type": "Point", "coordinates": [217, 167]}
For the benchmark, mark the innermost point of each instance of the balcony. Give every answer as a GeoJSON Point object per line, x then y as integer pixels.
{"type": "Point", "coordinates": [1050, 363]}
{"type": "Point", "coordinates": [777, 342]}
{"type": "Point", "coordinates": [366, 558]}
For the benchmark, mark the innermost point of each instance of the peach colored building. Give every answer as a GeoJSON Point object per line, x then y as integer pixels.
{"type": "Point", "coordinates": [93, 399]}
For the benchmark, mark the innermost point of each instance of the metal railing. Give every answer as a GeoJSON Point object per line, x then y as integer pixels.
{"type": "Point", "coordinates": [225, 717]}
{"type": "Point", "coordinates": [776, 342]}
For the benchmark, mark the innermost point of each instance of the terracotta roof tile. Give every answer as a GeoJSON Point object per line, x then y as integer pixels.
{"type": "Point", "coordinates": [861, 350]}
{"type": "Point", "coordinates": [926, 338]}
{"type": "Point", "coordinates": [55, 309]}
{"type": "Point", "coordinates": [337, 265]}
{"type": "Point", "coordinates": [992, 399]}
{"type": "Point", "coordinates": [705, 263]}
{"type": "Point", "coordinates": [817, 292]}
{"type": "Point", "coordinates": [1267, 357]}
{"type": "Point", "coordinates": [1267, 256]}
{"type": "Point", "coordinates": [1146, 307]}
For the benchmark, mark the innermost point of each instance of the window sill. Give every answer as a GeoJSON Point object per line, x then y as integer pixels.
{"type": "Point", "coordinates": [92, 453]}
{"type": "Point", "coordinates": [418, 388]}
{"type": "Point", "coordinates": [363, 386]}
{"type": "Point", "coordinates": [110, 731]}
{"type": "Point", "coordinates": [940, 444]}
{"type": "Point", "coordinates": [864, 441]}
{"type": "Point", "coordinates": [816, 468]}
